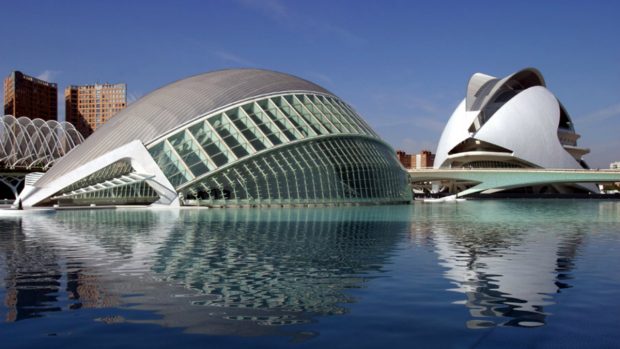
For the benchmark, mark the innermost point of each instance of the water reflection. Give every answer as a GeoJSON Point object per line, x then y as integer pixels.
{"type": "Point", "coordinates": [296, 261]}
{"type": "Point", "coordinates": [201, 270]}
{"type": "Point", "coordinates": [38, 279]}
{"type": "Point", "coordinates": [32, 276]}
{"type": "Point", "coordinates": [243, 272]}
{"type": "Point", "coordinates": [508, 258]}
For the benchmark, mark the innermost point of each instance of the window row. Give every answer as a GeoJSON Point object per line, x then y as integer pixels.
{"type": "Point", "coordinates": [137, 193]}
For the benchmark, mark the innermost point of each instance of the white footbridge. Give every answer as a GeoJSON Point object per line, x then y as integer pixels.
{"type": "Point", "coordinates": [507, 178]}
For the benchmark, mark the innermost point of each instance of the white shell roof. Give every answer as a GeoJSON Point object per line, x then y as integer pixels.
{"type": "Point", "coordinates": [527, 124]}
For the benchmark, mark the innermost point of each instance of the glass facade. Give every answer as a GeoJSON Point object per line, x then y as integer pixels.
{"type": "Point", "coordinates": [111, 185]}
{"type": "Point", "coordinates": [341, 170]}
{"type": "Point", "coordinates": [285, 149]}
{"type": "Point", "coordinates": [138, 193]}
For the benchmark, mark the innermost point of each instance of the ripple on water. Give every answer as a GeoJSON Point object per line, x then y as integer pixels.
{"type": "Point", "coordinates": [499, 264]}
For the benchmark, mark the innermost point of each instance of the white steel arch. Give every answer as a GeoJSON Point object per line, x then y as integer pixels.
{"type": "Point", "coordinates": [34, 144]}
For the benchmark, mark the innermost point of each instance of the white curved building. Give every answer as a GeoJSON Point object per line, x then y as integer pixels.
{"type": "Point", "coordinates": [228, 138]}
{"type": "Point", "coordinates": [513, 122]}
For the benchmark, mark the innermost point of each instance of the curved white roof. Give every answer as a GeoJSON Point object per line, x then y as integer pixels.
{"type": "Point", "coordinates": [173, 105]}
{"type": "Point", "coordinates": [517, 113]}
{"type": "Point", "coordinates": [482, 88]}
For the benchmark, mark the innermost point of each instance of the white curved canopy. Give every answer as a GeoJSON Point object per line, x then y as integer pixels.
{"type": "Point", "coordinates": [34, 144]}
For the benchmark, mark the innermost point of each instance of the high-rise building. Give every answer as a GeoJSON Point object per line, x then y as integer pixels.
{"type": "Point", "coordinates": [90, 106]}
{"type": "Point", "coordinates": [28, 96]}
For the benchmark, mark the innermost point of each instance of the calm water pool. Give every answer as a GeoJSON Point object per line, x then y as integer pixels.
{"type": "Point", "coordinates": [483, 274]}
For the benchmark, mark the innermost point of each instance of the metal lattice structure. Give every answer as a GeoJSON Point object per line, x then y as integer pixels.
{"type": "Point", "coordinates": [34, 144]}
{"type": "Point", "coordinates": [294, 148]}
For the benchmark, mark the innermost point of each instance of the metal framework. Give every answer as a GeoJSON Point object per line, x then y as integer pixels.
{"type": "Point", "coordinates": [30, 145]}
{"type": "Point", "coordinates": [34, 144]}
{"type": "Point", "coordinates": [300, 148]}
{"type": "Point", "coordinates": [12, 181]}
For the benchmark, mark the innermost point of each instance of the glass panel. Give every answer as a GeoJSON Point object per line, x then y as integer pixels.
{"type": "Point", "coordinates": [210, 143]}
{"type": "Point", "coordinates": [333, 118]}
{"type": "Point", "coordinates": [265, 124]}
{"type": "Point", "coordinates": [247, 128]}
{"type": "Point", "coordinates": [293, 117]}
{"type": "Point", "coordinates": [352, 113]}
{"type": "Point", "coordinates": [170, 164]}
{"type": "Point", "coordinates": [344, 117]}
{"type": "Point", "coordinates": [190, 153]}
{"type": "Point", "coordinates": [314, 123]}
{"type": "Point", "coordinates": [231, 136]}
{"type": "Point", "coordinates": [279, 121]}
{"type": "Point", "coordinates": [325, 120]}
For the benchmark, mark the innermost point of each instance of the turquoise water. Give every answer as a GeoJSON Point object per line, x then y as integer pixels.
{"type": "Point", "coordinates": [484, 274]}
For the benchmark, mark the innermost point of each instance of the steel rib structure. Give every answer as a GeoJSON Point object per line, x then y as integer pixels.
{"type": "Point", "coordinates": [34, 144]}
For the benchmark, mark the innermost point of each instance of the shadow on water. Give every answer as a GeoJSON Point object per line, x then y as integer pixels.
{"type": "Point", "coordinates": [209, 271]}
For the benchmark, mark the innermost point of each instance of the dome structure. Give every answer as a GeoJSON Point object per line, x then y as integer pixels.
{"type": "Point", "coordinates": [228, 138]}
{"type": "Point", "coordinates": [510, 122]}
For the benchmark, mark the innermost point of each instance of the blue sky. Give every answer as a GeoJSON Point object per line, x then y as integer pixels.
{"type": "Point", "coordinates": [403, 65]}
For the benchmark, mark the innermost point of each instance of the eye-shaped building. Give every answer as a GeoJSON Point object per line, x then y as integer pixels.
{"type": "Point", "coordinates": [514, 122]}
{"type": "Point", "coordinates": [239, 137]}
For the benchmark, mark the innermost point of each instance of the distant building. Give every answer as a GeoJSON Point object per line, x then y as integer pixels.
{"type": "Point", "coordinates": [90, 106]}
{"type": "Point", "coordinates": [425, 159]}
{"type": "Point", "coordinates": [411, 161]}
{"type": "Point", "coordinates": [25, 95]}
{"type": "Point", "coordinates": [615, 165]}
{"type": "Point", "coordinates": [404, 158]}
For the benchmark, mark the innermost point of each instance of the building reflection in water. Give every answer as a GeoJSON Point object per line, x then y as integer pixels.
{"type": "Point", "coordinates": [508, 261]}
{"type": "Point", "coordinates": [241, 272]}
{"type": "Point", "coordinates": [198, 269]}
{"type": "Point", "coordinates": [32, 274]}
{"type": "Point", "coordinates": [38, 279]}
